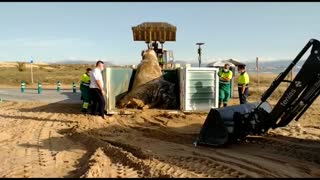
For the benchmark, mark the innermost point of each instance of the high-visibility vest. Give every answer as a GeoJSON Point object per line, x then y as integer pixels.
{"type": "Point", "coordinates": [85, 79]}
{"type": "Point", "coordinates": [243, 79]}
{"type": "Point", "coordinates": [225, 75]}
{"type": "Point", "coordinates": [161, 60]}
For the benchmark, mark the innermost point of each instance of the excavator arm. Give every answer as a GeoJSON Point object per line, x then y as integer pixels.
{"type": "Point", "coordinates": [302, 91]}
{"type": "Point", "coordinates": [229, 124]}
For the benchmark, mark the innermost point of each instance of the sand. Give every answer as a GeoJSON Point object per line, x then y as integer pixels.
{"type": "Point", "coordinates": [55, 140]}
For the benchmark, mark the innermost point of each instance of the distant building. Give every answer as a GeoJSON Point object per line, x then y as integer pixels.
{"type": "Point", "coordinates": [231, 62]}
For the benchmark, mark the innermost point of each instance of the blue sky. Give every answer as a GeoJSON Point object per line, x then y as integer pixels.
{"type": "Point", "coordinates": [55, 31]}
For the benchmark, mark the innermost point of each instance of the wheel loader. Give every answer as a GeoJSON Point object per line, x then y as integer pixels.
{"type": "Point", "coordinates": [153, 33]}
{"type": "Point", "coordinates": [231, 124]}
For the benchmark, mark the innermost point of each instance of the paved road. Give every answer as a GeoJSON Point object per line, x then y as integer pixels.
{"type": "Point", "coordinates": [46, 96]}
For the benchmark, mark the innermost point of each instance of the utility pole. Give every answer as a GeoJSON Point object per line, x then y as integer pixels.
{"type": "Point", "coordinates": [31, 61]}
{"type": "Point", "coordinates": [257, 69]}
{"type": "Point", "coordinates": [199, 52]}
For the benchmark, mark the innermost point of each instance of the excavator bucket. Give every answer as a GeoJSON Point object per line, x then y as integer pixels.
{"type": "Point", "coordinates": [154, 31]}
{"type": "Point", "coordinates": [224, 125]}
{"type": "Point", "coordinates": [236, 122]}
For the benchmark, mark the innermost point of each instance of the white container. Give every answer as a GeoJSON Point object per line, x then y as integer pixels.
{"type": "Point", "coordinates": [199, 89]}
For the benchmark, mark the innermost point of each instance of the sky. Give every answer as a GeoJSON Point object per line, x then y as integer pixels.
{"type": "Point", "coordinates": [55, 31]}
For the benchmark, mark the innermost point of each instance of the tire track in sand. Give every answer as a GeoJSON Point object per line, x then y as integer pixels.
{"type": "Point", "coordinates": [118, 155]}
{"type": "Point", "coordinates": [36, 151]}
{"type": "Point", "coordinates": [153, 166]}
{"type": "Point", "coordinates": [100, 165]}
{"type": "Point", "coordinates": [30, 162]}
{"type": "Point", "coordinates": [287, 148]}
{"type": "Point", "coordinates": [190, 166]}
{"type": "Point", "coordinates": [22, 131]}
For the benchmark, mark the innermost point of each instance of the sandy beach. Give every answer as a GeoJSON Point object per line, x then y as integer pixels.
{"type": "Point", "coordinates": [56, 140]}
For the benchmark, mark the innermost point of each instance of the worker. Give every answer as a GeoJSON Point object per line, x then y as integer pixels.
{"type": "Point", "coordinates": [84, 88]}
{"type": "Point", "coordinates": [161, 62]}
{"type": "Point", "coordinates": [243, 84]}
{"type": "Point", "coordinates": [155, 46]}
{"type": "Point", "coordinates": [225, 76]}
{"type": "Point", "coordinates": [97, 89]}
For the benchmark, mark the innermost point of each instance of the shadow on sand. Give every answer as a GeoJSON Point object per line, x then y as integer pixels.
{"type": "Point", "coordinates": [71, 105]}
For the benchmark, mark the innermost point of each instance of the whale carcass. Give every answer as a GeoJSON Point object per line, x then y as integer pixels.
{"type": "Point", "coordinates": [149, 89]}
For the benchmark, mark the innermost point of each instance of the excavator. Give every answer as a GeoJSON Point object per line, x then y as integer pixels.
{"type": "Point", "coordinates": [153, 33]}
{"type": "Point", "coordinates": [234, 123]}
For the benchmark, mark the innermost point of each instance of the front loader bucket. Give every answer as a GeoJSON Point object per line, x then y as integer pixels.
{"type": "Point", "coordinates": [221, 124]}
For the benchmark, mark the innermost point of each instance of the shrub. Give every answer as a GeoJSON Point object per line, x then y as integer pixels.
{"type": "Point", "coordinates": [21, 66]}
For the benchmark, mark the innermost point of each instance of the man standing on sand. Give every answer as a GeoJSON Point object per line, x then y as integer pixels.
{"type": "Point", "coordinates": [225, 77]}
{"type": "Point", "coordinates": [243, 84]}
{"type": "Point", "coordinates": [84, 88]}
{"type": "Point", "coordinates": [96, 89]}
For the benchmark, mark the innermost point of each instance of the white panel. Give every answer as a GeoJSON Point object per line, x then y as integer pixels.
{"type": "Point", "coordinates": [107, 80]}
{"type": "Point", "coordinates": [182, 87]}
{"type": "Point", "coordinates": [201, 89]}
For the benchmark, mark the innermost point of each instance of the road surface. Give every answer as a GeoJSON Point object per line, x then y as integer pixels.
{"type": "Point", "coordinates": [46, 96]}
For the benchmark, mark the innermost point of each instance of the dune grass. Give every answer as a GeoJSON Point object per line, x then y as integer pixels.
{"type": "Point", "coordinates": [46, 74]}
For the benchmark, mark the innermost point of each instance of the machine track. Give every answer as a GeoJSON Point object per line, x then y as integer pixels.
{"type": "Point", "coordinates": [289, 149]}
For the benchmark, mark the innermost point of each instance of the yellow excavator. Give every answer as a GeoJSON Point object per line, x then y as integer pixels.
{"type": "Point", "coordinates": [153, 33]}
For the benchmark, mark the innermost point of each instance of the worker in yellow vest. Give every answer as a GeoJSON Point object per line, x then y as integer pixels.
{"type": "Point", "coordinates": [225, 76]}
{"type": "Point", "coordinates": [84, 88]}
{"type": "Point", "coordinates": [161, 62]}
{"type": "Point", "coordinates": [243, 84]}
